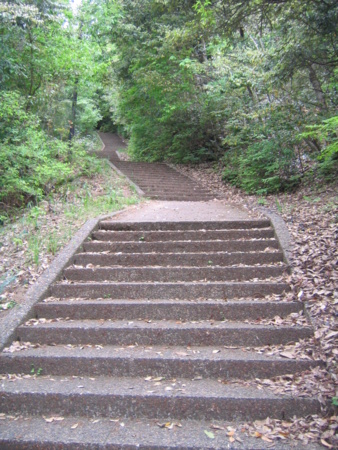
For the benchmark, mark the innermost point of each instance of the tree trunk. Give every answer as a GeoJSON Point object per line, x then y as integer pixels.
{"type": "Point", "coordinates": [317, 88]}
{"type": "Point", "coordinates": [74, 105]}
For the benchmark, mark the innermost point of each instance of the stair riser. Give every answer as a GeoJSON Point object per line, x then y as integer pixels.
{"type": "Point", "coordinates": [130, 311]}
{"type": "Point", "coordinates": [183, 246]}
{"type": "Point", "coordinates": [161, 226]}
{"type": "Point", "coordinates": [140, 367]}
{"type": "Point", "coordinates": [178, 198]}
{"type": "Point", "coordinates": [173, 185]}
{"type": "Point", "coordinates": [146, 336]}
{"type": "Point", "coordinates": [149, 192]}
{"type": "Point", "coordinates": [178, 259]}
{"type": "Point", "coordinates": [162, 180]}
{"type": "Point", "coordinates": [171, 274]}
{"type": "Point", "coordinates": [167, 290]}
{"type": "Point", "coordinates": [147, 236]}
{"type": "Point", "coordinates": [152, 406]}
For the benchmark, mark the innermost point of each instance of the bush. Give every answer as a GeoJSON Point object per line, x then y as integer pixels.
{"type": "Point", "coordinates": [265, 167]}
{"type": "Point", "coordinates": [327, 134]}
{"type": "Point", "coordinates": [31, 162]}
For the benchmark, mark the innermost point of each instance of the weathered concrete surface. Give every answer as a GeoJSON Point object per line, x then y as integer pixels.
{"type": "Point", "coordinates": [134, 398]}
{"type": "Point", "coordinates": [194, 259]}
{"type": "Point", "coordinates": [174, 362]}
{"type": "Point", "coordinates": [127, 434]}
{"type": "Point", "coordinates": [165, 332]}
{"type": "Point", "coordinates": [173, 309]}
{"type": "Point", "coordinates": [157, 211]}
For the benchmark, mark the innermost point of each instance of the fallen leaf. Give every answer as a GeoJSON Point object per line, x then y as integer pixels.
{"type": "Point", "coordinates": [326, 444]}
{"type": "Point", "coordinates": [216, 427]}
{"type": "Point", "coordinates": [209, 434]}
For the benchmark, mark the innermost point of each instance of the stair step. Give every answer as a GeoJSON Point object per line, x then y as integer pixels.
{"type": "Point", "coordinates": [188, 235]}
{"type": "Point", "coordinates": [31, 433]}
{"type": "Point", "coordinates": [179, 198]}
{"type": "Point", "coordinates": [165, 332]}
{"type": "Point", "coordinates": [138, 361]}
{"type": "Point", "coordinates": [177, 184]}
{"type": "Point", "coordinates": [165, 274]}
{"type": "Point", "coordinates": [184, 290]}
{"type": "Point", "coordinates": [137, 398]}
{"type": "Point", "coordinates": [178, 259]}
{"type": "Point", "coordinates": [168, 226]}
{"type": "Point", "coordinates": [164, 309]}
{"type": "Point", "coordinates": [181, 246]}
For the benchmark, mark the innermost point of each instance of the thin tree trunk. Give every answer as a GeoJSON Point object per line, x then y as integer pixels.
{"type": "Point", "coordinates": [74, 105]}
{"type": "Point", "coordinates": [317, 88]}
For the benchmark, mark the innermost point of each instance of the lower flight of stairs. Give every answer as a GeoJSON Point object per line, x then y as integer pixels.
{"type": "Point", "coordinates": [150, 338]}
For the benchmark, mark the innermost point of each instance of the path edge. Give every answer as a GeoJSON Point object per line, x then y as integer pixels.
{"type": "Point", "coordinates": [40, 289]}
{"type": "Point", "coordinates": [282, 233]}
{"type": "Point", "coordinates": [131, 183]}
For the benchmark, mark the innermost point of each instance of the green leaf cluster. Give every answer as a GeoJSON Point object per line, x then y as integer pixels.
{"type": "Point", "coordinates": [32, 163]}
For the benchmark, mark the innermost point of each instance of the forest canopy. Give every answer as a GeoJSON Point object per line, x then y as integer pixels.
{"type": "Point", "coordinates": [249, 84]}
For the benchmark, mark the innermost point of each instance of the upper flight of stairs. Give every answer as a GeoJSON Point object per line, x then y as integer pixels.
{"type": "Point", "coordinates": [161, 182]}
{"type": "Point", "coordinates": [157, 181]}
{"type": "Point", "coordinates": [154, 324]}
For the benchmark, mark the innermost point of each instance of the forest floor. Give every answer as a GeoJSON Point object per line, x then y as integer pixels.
{"type": "Point", "coordinates": [28, 245]}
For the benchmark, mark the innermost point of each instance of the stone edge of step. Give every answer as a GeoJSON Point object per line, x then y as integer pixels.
{"type": "Point", "coordinates": [138, 190]}
{"type": "Point", "coordinates": [40, 289]}
{"type": "Point", "coordinates": [123, 175]}
{"type": "Point", "coordinates": [281, 233]}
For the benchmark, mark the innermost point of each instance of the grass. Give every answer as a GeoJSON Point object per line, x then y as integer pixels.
{"type": "Point", "coordinates": [78, 202]}
{"type": "Point", "coordinates": [42, 230]}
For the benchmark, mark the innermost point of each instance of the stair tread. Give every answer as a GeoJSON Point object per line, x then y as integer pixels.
{"type": "Point", "coordinates": [133, 386]}
{"type": "Point", "coordinates": [177, 283]}
{"type": "Point", "coordinates": [172, 273]}
{"type": "Point", "coordinates": [122, 433]}
{"type": "Point", "coordinates": [188, 302]}
{"type": "Point", "coordinates": [192, 254]}
{"type": "Point", "coordinates": [137, 352]}
{"type": "Point", "coordinates": [183, 225]}
{"type": "Point", "coordinates": [155, 325]}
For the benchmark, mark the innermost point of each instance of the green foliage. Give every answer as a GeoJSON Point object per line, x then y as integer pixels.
{"type": "Point", "coordinates": [31, 162]}
{"type": "Point", "coordinates": [267, 167]}
{"type": "Point", "coordinates": [327, 134]}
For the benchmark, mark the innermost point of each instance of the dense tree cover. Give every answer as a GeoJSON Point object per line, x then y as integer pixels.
{"type": "Point", "coordinates": [47, 91]}
{"type": "Point", "coordinates": [251, 83]}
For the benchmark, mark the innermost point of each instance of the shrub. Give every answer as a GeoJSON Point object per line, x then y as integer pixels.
{"type": "Point", "coordinates": [31, 162]}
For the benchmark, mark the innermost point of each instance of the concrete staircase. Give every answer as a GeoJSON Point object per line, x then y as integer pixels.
{"type": "Point", "coordinates": [148, 340]}
{"type": "Point", "coordinates": [161, 182]}
{"type": "Point", "coordinates": [157, 181]}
